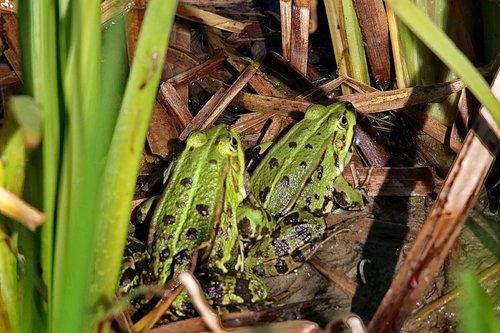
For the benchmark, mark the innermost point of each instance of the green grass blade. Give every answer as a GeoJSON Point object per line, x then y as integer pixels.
{"type": "Point", "coordinates": [8, 287]}
{"type": "Point", "coordinates": [82, 165]}
{"type": "Point", "coordinates": [475, 311]}
{"type": "Point", "coordinates": [127, 144]}
{"type": "Point", "coordinates": [444, 48]}
{"type": "Point", "coordinates": [37, 32]}
{"type": "Point", "coordinates": [347, 40]}
{"type": "Point", "coordinates": [12, 166]}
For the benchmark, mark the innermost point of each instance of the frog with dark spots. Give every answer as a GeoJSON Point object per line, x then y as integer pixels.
{"type": "Point", "coordinates": [201, 189]}
{"type": "Point", "coordinates": [204, 202]}
{"type": "Point", "coordinates": [307, 185]}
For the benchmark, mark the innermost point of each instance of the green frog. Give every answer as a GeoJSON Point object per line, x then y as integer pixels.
{"type": "Point", "coordinates": [297, 182]}
{"type": "Point", "coordinates": [197, 211]}
{"type": "Point", "coordinates": [202, 192]}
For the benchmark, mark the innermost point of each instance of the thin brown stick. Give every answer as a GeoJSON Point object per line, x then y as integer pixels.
{"type": "Point", "coordinates": [231, 92]}
{"type": "Point", "coordinates": [300, 35]}
{"type": "Point", "coordinates": [196, 14]}
{"type": "Point", "coordinates": [364, 103]}
{"type": "Point", "coordinates": [174, 104]}
{"type": "Point", "coordinates": [251, 120]}
{"type": "Point", "coordinates": [399, 98]}
{"type": "Point", "coordinates": [339, 279]}
{"type": "Point", "coordinates": [198, 71]}
{"type": "Point", "coordinates": [392, 181]}
{"type": "Point", "coordinates": [286, 26]}
{"type": "Point", "coordinates": [202, 115]}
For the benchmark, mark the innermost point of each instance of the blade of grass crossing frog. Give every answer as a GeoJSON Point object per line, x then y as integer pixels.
{"type": "Point", "coordinates": [126, 147]}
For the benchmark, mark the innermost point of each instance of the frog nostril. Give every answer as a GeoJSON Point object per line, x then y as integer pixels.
{"type": "Point", "coordinates": [349, 106]}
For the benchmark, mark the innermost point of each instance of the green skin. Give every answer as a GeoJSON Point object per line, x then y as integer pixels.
{"type": "Point", "coordinates": [197, 201]}
{"type": "Point", "coordinates": [203, 189]}
{"type": "Point", "coordinates": [199, 204]}
{"type": "Point", "coordinates": [298, 181]}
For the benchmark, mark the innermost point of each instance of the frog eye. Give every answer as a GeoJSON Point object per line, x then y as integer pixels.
{"type": "Point", "coordinates": [196, 139]}
{"type": "Point", "coordinates": [342, 121]}
{"type": "Point", "coordinates": [233, 144]}
{"type": "Point", "coordinates": [228, 144]}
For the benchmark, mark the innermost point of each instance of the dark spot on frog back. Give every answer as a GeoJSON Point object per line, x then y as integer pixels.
{"type": "Point", "coordinates": [291, 218]}
{"type": "Point", "coordinates": [263, 194]}
{"type": "Point", "coordinates": [168, 219]}
{"type": "Point", "coordinates": [309, 146]}
{"type": "Point", "coordinates": [302, 232]}
{"type": "Point", "coordinates": [276, 232]}
{"type": "Point", "coordinates": [242, 289]}
{"type": "Point", "coordinates": [292, 145]}
{"type": "Point", "coordinates": [188, 308]}
{"type": "Point", "coordinates": [303, 164]}
{"type": "Point", "coordinates": [215, 292]}
{"type": "Point", "coordinates": [213, 162]}
{"type": "Point", "coordinates": [273, 163]}
{"type": "Point", "coordinates": [285, 181]}
{"type": "Point", "coordinates": [320, 172]}
{"type": "Point", "coordinates": [165, 253]}
{"type": "Point", "coordinates": [192, 234]}
{"type": "Point", "coordinates": [281, 246]}
{"type": "Point", "coordinates": [181, 257]}
{"type": "Point", "coordinates": [244, 226]}
{"type": "Point", "coordinates": [202, 209]}
{"type": "Point", "coordinates": [259, 270]}
{"type": "Point", "coordinates": [187, 183]}
{"type": "Point", "coordinates": [298, 256]}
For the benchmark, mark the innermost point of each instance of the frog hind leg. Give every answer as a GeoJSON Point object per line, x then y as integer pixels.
{"type": "Point", "coordinates": [134, 263]}
{"type": "Point", "coordinates": [295, 239]}
{"type": "Point", "coordinates": [224, 291]}
{"type": "Point", "coordinates": [234, 289]}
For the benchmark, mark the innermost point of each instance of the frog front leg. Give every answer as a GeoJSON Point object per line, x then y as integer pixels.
{"type": "Point", "coordinates": [346, 196]}
{"type": "Point", "coordinates": [294, 239]}
{"type": "Point", "coordinates": [254, 222]}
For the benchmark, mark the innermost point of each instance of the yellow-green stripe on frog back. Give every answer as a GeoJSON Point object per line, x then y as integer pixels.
{"type": "Point", "coordinates": [195, 198]}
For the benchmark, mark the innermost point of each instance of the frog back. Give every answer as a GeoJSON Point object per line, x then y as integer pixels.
{"type": "Point", "coordinates": [193, 200]}
{"type": "Point", "coordinates": [284, 172]}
